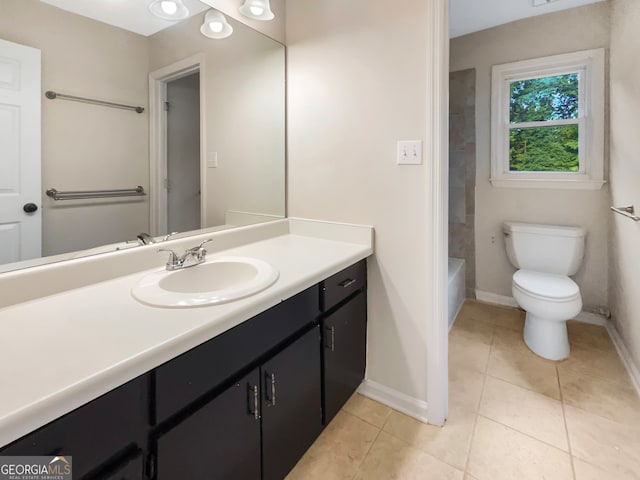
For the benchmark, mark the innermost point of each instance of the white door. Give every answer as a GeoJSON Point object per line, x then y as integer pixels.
{"type": "Point", "coordinates": [20, 184]}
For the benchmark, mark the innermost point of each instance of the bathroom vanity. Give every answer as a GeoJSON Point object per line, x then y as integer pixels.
{"type": "Point", "coordinates": [247, 401]}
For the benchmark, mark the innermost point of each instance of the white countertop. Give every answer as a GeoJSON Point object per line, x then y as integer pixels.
{"type": "Point", "coordinates": [61, 351]}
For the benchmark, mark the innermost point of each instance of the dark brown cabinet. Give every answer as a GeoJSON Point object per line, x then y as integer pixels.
{"type": "Point", "coordinates": [130, 468]}
{"type": "Point", "coordinates": [279, 401]}
{"type": "Point", "coordinates": [345, 353]}
{"type": "Point", "coordinates": [344, 327]}
{"type": "Point", "coordinates": [95, 435]}
{"type": "Point", "coordinates": [291, 405]}
{"type": "Point", "coordinates": [246, 404]}
{"type": "Point", "coordinates": [185, 379]}
{"type": "Point", "coordinates": [220, 440]}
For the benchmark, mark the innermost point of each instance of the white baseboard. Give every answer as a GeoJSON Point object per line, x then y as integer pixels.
{"type": "Point", "coordinates": [592, 318]}
{"type": "Point", "coordinates": [628, 362]}
{"type": "Point", "coordinates": [489, 297]}
{"type": "Point", "coordinates": [397, 400]}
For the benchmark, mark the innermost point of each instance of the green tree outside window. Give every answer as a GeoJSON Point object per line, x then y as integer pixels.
{"type": "Point", "coordinates": [544, 148]}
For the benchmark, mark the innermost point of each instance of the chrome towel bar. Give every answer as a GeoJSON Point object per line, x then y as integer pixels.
{"type": "Point", "coordinates": [51, 95]}
{"type": "Point", "coordinates": [627, 211]}
{"type": "Point", "coordinates": [79, 194]}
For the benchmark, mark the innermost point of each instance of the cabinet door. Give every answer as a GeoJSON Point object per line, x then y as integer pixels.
{"type": "Point", "coordinates": [131, 468]}
{"type": "Point", "coordinates": [292, 406]}
{"type": "Point", "coordinates": [344, 353]}
{"type": "Point", "coordinates": [190, 376]}
{"type": "Point", "coordinates": [219, 441]}
{"type": "Point", "coordinates": [95, 432]}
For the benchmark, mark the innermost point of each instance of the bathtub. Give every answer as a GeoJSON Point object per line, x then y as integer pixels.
{"type": "Point", "coordinates": [456, 287]}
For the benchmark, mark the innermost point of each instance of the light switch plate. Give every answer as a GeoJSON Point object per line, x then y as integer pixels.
{"type": "Point", "coordinates": [212, 159]}
{"type": "Point", "coordinates": [409, 152]}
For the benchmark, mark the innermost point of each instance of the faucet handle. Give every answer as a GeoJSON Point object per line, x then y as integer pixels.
{"type": "Point", "coordinates": [173, 261]}
{"type": "Point", "coordinates": [169, 235]}
{"type": "Point", "coordinates": [205, 241]}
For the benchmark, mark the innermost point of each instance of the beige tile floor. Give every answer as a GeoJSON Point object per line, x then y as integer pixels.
{"type": "Point", "coordinates": [512, 415]}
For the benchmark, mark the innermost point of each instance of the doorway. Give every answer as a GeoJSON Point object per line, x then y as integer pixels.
{"type": "Point", "coordinates": [20, 168]}
{"type": "Point", "coordinates": [177, 186]}
{"type": "Point", "coordinates": [183, 153]}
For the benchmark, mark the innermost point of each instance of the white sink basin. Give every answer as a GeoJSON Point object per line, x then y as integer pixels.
{"type": "Point", "coordinates": [218, 280]}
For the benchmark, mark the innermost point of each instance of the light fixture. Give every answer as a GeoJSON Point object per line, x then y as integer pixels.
{"type": "Point", "coordinates": [257, 10]}
{"type": "Point", "coordinates": [215, 25]}
{"type": "Point", "coordinates": [169, 9]}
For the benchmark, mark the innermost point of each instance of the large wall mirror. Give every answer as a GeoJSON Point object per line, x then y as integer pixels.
{"type": "Point", "coordinates": [208, 150]}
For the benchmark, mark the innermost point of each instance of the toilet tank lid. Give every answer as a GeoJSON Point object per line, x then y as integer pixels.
{"type": "Point", "coordinates": [556, 230]}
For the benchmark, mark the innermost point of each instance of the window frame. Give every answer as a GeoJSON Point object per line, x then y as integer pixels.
{"type": "Point", "coordinates": [589, 65]}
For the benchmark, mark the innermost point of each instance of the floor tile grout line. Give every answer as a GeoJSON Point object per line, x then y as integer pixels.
{"type": "Point", "coordinates": [477, 413]}
{"type": "Point", "coordinates": [520, 386]}
{"type": "Point", "coordinates": [422, 451]}
{"type": "Point", "coordinates": [366, 455]}
{"type": "Point", "coordinates": [601, 417]}
{"type": "Point", "coordinates": [524, 433]}
{"type": "Point", "coordinates": [566, 426]}
{"type": "Point", "coordinates": [367, 421]}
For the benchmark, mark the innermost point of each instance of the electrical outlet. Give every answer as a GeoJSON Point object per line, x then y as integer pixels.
{"type": "Point", "coordinates": [409, 152]}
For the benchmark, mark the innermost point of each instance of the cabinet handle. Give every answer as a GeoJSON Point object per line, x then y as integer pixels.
{"type": "Point", "coordinates": [332, 338]}
{"type": "Point", "coordinates": [270, 385]}
{"type": "Point", "coordinates": [347, 283]}
{"type": "Point", "coordinates": [254, 409]}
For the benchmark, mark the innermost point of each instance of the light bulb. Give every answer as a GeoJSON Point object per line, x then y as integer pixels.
{"type": "Point", "coordinates": [169, 7]}
{"type": "Point", "coordinates": [257, 10]}
{"type": "Point", "coordinates": [216, 26]}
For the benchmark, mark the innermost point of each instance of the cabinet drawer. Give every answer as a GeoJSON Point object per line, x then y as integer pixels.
{"type": "Point", "coordinates": [93, 433]}
{"type": "Point", "coordinates": [191, 375]}
{"type": "Point", "coordinates": [339, 286]}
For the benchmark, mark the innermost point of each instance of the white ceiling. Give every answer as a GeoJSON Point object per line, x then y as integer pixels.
{"type": "Point", "coordinates": [468, 16]}
{"type": "Point", "coordinates": [132, 15]}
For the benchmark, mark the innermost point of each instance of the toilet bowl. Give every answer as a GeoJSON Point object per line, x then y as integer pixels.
{"type": "Point", "coordinates": [549, 300]}
{"type": "Point", "coordinates": [546, 255]}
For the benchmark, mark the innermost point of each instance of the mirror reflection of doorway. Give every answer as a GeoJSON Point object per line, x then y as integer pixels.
{"type": "Point", "coordinates": [183, 153]}
{"type": "Point", "coordinates": [20, 182]}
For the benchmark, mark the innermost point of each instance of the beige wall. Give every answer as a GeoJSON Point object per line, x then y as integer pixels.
{"type": "Point", "coordinates": [86, 147]}
{"type": "Point", "coordinates": [624, 272]}
{"type": "Point", "coordinates": [244, 83]}
{"type": "Point", "coordinates": [356, 85]}
{"type": "Point", "coordinates": [571, 30]}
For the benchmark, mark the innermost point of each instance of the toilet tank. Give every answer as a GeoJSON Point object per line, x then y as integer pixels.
{"type": "Point", "coordinates": [544, 248]}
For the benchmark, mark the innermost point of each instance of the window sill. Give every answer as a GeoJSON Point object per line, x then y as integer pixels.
{"type": "Point", "coordinates": [561, 184]}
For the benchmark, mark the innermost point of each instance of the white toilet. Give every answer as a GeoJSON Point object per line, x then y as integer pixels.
{"type": "Point", "coordinates": [546, 255]}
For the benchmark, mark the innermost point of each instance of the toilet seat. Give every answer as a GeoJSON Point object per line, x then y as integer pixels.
{"type": "Point", "coordinates": [546, 286]}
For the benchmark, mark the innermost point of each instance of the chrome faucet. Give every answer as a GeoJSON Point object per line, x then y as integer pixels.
{"type": "Point", "coordinates": [145, 239]}
{"type": "Point", "coordinates": [190, 258]}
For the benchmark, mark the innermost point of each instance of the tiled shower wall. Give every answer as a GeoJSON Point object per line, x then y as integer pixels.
{"type": "Point", "coordinates": [462, 171]}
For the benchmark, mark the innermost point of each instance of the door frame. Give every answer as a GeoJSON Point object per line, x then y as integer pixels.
{"type": "Point", "coordinates": [158, 80]}
{"type": "Point", "coordinates": [437, 183]}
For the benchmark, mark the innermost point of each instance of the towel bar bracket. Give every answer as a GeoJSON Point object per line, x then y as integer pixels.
{"type": "Point", "coordinates": [627, 211]}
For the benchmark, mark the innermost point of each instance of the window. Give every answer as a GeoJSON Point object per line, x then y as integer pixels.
{"type": "Point", "coordinates": [548, 122]}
